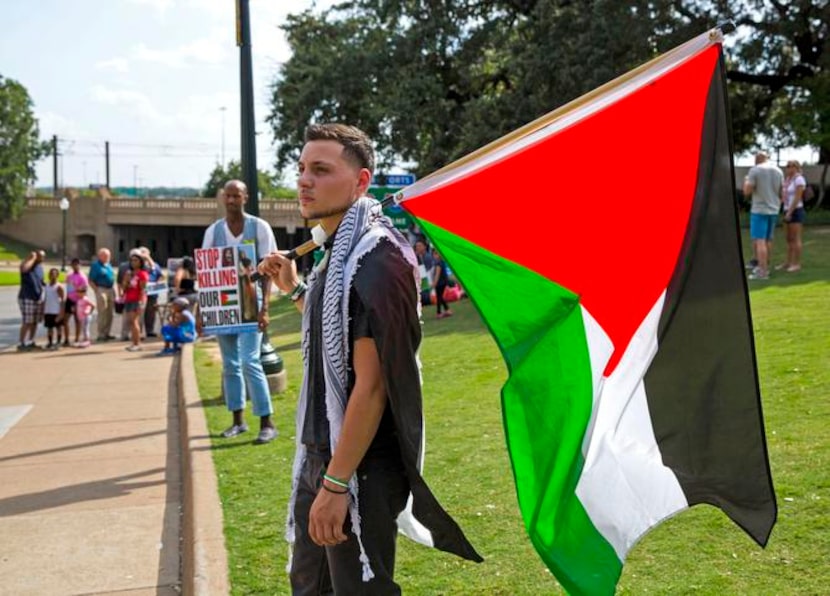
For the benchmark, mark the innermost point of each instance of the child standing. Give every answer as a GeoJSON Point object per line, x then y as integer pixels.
{"type": "Point", "coordinates": [180, 330]}
{"type": "Point", "coordinates": [74, 280]}
{"type": "Point", "coordinates": [53, 308]}
{"type": "Point", "coordinates": [83, 311]}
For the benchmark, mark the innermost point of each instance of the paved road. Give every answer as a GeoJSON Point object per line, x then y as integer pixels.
{"type": "Point", "coordinates": [9, 317]}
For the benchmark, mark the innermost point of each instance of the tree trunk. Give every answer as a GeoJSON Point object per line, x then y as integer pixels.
{"type": "Point", "coordinates": [822, 184]}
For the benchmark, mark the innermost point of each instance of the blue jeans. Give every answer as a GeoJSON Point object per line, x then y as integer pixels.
{"type": "Point", "coordinates": [241, 370]}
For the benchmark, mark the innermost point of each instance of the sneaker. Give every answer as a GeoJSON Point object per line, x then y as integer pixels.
{"type": "Point", "coordinates": [236, 429]}
{"type": "Point", "coordinates": [166, 352]}
{"type": "Point", "coordinates": [266, 435]}
{"type": "Point", "coordinates": [447, 313]}
{"type": "Point", "coordinates": [753, 263]}
{"type": "Point", "coordinates": [758, 275]}
{"type": "Point", "coordinates": [84, 344]}
{"type": "Point", "coordinates": [133, 348]}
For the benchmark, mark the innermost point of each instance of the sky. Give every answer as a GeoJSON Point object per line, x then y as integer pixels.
{"type": "Point", "coordinates": [150, 76]}
{"type": "Point", "coordinates": [158, 79]}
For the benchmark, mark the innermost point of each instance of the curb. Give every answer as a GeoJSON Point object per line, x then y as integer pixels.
{"type": "Point", "coordinates": [204, 558]}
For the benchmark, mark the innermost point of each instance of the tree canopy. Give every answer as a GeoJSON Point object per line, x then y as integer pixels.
{"type": "Point", "coordinates": [431, 80]}
{"type": "Point", "coordinates": [779, 69]}
{"type": "Point", "coordinates": [20, 147]}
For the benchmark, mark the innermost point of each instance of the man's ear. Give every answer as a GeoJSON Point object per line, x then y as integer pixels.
{"type": "Point", "coordinates": [364, 179]}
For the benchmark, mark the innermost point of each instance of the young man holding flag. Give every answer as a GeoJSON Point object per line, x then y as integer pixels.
{"type": "Point", "coordinates": [359, 418]}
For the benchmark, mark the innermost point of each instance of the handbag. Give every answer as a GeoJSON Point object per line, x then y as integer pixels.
{"type": "Point", "coordinates": [119, 306]}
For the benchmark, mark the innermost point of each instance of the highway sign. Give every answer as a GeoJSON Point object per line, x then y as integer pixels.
{"type": "Point", "coordinates": [393, 180]}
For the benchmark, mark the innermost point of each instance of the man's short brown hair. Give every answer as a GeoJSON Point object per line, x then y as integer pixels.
{"type": "Point", "coordinates": [357, 147]}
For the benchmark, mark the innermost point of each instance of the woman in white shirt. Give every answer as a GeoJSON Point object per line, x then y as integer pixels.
{"type": "Point", "coordinates": [794, 214]}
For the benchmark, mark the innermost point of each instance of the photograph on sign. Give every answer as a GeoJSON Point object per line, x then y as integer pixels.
{"type": "Point", "coordinates": [227, 295]}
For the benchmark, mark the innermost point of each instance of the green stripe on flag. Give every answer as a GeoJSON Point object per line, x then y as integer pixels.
{"type": "Point", "coordinates": [546, 405]}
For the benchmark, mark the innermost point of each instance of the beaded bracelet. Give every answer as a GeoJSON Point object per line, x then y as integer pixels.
{"type": "Point", "coordinates": [337, 481]}
{"type": "Point", "coordinates": [298, 292]}
{"type": "Point", "coordinates": [336, 492]}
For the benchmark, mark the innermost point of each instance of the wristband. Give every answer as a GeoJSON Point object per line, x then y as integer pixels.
{"type": "Point", "coordinates": [298, 292]}
{"type": "Point", "coordinates": [336, 481]}
{"type": "Point", "coordinates": [336, 492]}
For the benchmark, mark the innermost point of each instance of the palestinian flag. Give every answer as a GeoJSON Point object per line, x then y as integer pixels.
{"type": "Point", "coordinates": [229, 298]}
{"type": "Point", "coordinates": [619, 303]}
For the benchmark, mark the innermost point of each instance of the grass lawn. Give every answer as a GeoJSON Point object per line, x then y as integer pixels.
{"type": "Point", "coordinates": [12, 277]}
{"type": "Point", "coordinates": [12, 250]}
{"type": "Point", "coordinates": [12, 253]}
{"type": "Point", "coordinates": [698, 552]}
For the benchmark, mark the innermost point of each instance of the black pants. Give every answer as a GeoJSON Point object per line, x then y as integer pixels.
{"type": "Point", "coordinates": [382, 492]}
{"type": "Point", "coordinates": [439, 297]}
{"type": "Point", "coordinates": [150, 315]}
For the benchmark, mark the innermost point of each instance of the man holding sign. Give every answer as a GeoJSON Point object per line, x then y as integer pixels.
{"type": "Point", "coordinates": [239, 341]}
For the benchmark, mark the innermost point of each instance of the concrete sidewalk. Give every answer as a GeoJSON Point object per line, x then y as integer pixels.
{"type": "Point", "coordinates": [91, 481]}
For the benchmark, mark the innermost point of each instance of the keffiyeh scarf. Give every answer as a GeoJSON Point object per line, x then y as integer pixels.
{"type": "Point", "coordinates": [362, 227]}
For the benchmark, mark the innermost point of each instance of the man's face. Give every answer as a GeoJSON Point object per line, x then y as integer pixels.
{"type": "Point", "coordinates": [39, 256]}
{"type": "Point", "coordinates": [76, 266]}
{"type": "Point", "coordinates": [235, 198]}
{"type": "Point", "coordinates": [104, 256]}
{"type": "Point", "coordinates": [328, 184]}
{"type": "Point", "coordinates": [420, 248]}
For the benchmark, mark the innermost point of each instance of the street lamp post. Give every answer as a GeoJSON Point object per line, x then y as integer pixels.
{"type": "Point", "coordinates": [64, 205]}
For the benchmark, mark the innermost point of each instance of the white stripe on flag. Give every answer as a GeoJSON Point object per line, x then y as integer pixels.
{"type": "Point", "coordinates": [624, 487]}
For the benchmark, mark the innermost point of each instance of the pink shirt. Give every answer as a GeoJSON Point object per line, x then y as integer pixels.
{"type": "Point", "coordinates": [73, 282]}
{"type": "Point", "coordinates": [83, 307]}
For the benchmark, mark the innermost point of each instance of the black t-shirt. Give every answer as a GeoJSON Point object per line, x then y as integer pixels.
{"type": "Point", "coordinates": [315, 434]}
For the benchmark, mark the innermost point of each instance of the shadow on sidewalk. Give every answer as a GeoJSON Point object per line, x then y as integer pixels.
{"type": "Point", "coordinates": [83, 445]}
{"type": "Point", "coordinates": [109, 488]}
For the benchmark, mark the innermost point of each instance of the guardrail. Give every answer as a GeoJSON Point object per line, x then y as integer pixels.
{"type": "Point", "coordinates": [279, 213]}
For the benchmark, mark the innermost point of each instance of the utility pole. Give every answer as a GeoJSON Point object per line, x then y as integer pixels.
{"type": "Point", "coordinates": [246, 87]}
{"type": "Point", "coordinates": [107, 162]}
{"type": "Point", "coordinates": [55, 166]}
{"type": "Point", "coordinates": [272, 363]}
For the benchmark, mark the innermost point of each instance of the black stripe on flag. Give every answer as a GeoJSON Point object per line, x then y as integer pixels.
{"type": "Point", "coordinates": [702, 386]}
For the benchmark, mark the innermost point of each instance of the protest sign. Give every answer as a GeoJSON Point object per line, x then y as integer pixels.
{"type": "Point", "coordinates": [227, 296]}
{"type": "Point", "coordinates": [154, 288]}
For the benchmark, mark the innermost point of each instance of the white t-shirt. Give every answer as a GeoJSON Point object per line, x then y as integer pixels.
{"type": "Point", "coordinates": [265, 241]}
{"type": "Point", "coordinates": [789, 190]}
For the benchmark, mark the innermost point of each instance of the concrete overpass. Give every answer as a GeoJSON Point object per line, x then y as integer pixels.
{"type": "Point", "coordinates": [169, 227]}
